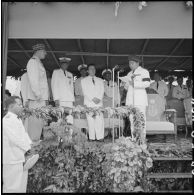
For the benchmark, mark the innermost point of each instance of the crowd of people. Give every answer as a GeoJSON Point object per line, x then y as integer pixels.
{"type": "Point", "coordinates": [39, 88]}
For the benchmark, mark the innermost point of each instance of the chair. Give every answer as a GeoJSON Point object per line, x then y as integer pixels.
{"type": "Point", "coordinates": [80, 122]}
{"type": "Point", "coordinates": [159, 120]}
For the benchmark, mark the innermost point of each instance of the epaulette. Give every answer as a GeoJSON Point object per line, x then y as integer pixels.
{"type": "Point", "coordinates": [33, 58]}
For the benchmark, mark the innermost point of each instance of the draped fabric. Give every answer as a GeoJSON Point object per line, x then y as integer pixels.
{"type": "Point", "coordinates": [5, 42]}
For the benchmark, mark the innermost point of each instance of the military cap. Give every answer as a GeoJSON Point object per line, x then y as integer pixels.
{"type": "Point", "coordinates": [105, 71]}
{"type": "Point", "coordinates": [134, 58]}
{"type": "Point", "coordinates": [64, 59]}
{"type": "Point", "coordinates": [81, 66]}
{"type": "Point", "coordinates": [38, 46]}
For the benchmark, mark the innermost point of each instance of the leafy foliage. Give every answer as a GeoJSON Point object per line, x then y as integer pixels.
{"type": "Point", "coordinates": [69, 163]}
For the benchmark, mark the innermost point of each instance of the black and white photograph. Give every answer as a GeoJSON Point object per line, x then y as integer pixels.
{"type": "Point", "coordinates": [97, 97]}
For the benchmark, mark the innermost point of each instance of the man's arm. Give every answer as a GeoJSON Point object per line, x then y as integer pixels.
{"type": "Point", "coordinates": [33, 75]}
{"type": "Point", "coordinates": [166, 90]}
{"type": "Point", "coordinates": [15, 136]}
{"type": "Point", "coordinates": [145, 82]}
{"type": "Point", "coordinates": [54, 85]}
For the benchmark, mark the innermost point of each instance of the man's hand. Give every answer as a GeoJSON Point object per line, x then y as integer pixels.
{"type": "Point", "coordinates": [131, 83]}
{"type": "Point", "coordinates": [57, 103]}
{"type": "Point", "coordinates": [26, 104]}
{"type": "Point", "coordinates": [96, 100]}
{"type": "Point", "coordinates": [46, 102]}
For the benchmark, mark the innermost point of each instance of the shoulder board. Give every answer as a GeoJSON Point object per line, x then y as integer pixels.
{"type": "Point", "coordinates": [33, 58]}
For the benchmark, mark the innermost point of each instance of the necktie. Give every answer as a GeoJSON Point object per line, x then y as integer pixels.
{"type": "Point", "coordinates": [108, 83]}
{"type": "Point", "coordinates": [157, 85]}
{"type": "Point", "coordinates": [65, 73]}
{"type": "Point", "coordinates": [93, 81]}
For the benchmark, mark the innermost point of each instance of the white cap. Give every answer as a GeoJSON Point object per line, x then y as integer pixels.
{"type": "Point", "coordinates": [64, 59]}
{"type": "Point", "coordinates": [82, 66]}
{"type": "Point", "coordinates": [106, 70]}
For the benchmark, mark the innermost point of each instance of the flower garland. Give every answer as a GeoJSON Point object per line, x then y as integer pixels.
{"type": "Point", "coordinates": [47, 112]}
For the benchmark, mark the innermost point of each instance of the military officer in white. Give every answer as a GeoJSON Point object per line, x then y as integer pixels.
{"type": "Point", "coordinates": [179, 91]}
{"type": "Point", "coordinates": [16, 143]}
{"type": "Point", "coordinates": [62, 84]}
{"type": "Point", "coordinates": [160, 87]}
{"type": "Point", "coordinates": [79, 99]}
{"type": "Point", "coordinates": [38, 91]}
{"type": "Point", "coordinates": [108, 87]}
{"type": "Point", "coordinates": [139, 79]}
{"type": "Point", "coordinates": [93, 91]}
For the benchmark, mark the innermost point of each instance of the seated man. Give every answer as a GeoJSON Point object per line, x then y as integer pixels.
{"type": "Point", "coordinates": [16, 143]}
{"type": "Point", "coordinates": [159, 86]}
{"type": "Point", "coordinates": [188, 102]}
{"type": "Point", "coordinates": [179, 91]}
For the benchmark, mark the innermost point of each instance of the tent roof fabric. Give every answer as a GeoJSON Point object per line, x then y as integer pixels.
{"type": "Point", "coordinates": [157, 54]}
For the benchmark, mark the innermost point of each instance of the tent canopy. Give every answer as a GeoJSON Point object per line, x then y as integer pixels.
{"type": "Point", "coordinates": [157, 54]}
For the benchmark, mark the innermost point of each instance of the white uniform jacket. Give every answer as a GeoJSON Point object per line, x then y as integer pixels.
{"type": "Point", "coordinates": [77, 87]}
{"type": "Point", "coordinates": [62, 86]}
{"type": "Point", "coordinates": [91, 90]}
{"type": "Point", "coordinates": [179, 92]}
{"type": "Point", "coordinates": [37, 80]}
{"type": "Point", "coordinates": [162, 88]}
{"type": "Point", "coordinates": [108, 87]}
{"type": "Point", "coordinates": [141, 81]}
{"type": "Point", "coordinates": [15, 140]}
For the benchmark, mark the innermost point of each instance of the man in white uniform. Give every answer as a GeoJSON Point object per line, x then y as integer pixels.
{"type": "Point", "coordinates": [38, 92]}
{"type": "Point", "coordinates": [159, 86]}
{"type": "Point", "coordinates": [108, 87]}
{"type": "Point", "coordinates": [139, 79]}
{"type": "Point", "coordinates": [179, 91]}
{"type": "Point", "coordinates": [93, 91]}
{"type": "Point", "coordinates": [62, 84]}
{"type": "Point", "coordinates": [79, 99]}
{"type": "Point", "coordinates": [16, 143]}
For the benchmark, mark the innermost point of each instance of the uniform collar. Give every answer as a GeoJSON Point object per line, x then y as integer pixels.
{"type": "Point", "coordinates": [12, 114]}
{"type": "Point", "coordinates": [35, 57]}
{"type": "Point", "coordinates": [136, 69]}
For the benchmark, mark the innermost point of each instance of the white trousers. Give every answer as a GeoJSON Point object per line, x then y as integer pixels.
{"type": "Point", "coordinates": [66, 104]}
{"type": "Point", "coordinates": [96, 126]}
{"type": "Point", "coordinates": [143, 110]}
{"type": "Point", "coordinates": [14, 178]}
{"type": "Point", "coordinates": [34, 125]}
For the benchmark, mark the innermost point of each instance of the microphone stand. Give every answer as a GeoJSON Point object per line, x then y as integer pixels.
{"type": "Point", "coordinates": [113, 100]}
{"type": "Point", "coordinates": [118, 94]}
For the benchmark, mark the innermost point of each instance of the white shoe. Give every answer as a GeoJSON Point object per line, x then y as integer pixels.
{"type": "Point", "coordinates": [31, 162]}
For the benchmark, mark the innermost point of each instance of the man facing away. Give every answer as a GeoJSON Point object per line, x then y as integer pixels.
{"type": "Point", "coordinates": [38, 91]}
{"type": "Point", "coordinates": [79, 99]}
{"type": "Point", "coordinates": [108, 89]}
{"type": "Point", "coordinates": [170, 87]}
{"type": "Point", "coordinates": [16, 143]}
{"type": "Point", "coordinates": [160, 86]}
{"type": "Point", "coordinates": [62, 84]}
{"type": "Point", "coordinates": [139, 80]}
{"type": "Point", "coordinates": [93, 91]}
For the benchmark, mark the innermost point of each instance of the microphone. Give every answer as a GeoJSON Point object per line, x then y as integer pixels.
{"type": "Point", "coordinates": [116, 67]}
{"type": "Point", "coordinates": [121, 70]}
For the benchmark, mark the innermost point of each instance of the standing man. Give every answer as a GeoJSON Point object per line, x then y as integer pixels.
{"type": "Point", "coordinates": [139, 79]}
{"type": "Point", "coordinates": [179, 91]}
{"type": "Point", "coordinates": [79, 99]}
{"type": "Point", "coordinates": [108, 87]}
{"type": "Point", "coordinates": [93, 91]}
{"type": "Point", "coordinates": [62, 84]}
{"type": "Point", "coordinates": [38, 92]}
{"type": "Point", "coordinates": [16, 143]}
{"type": "Point", "coordinates": [159, 86]}
{"type": "Point", "coordinates": [170, 87]}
